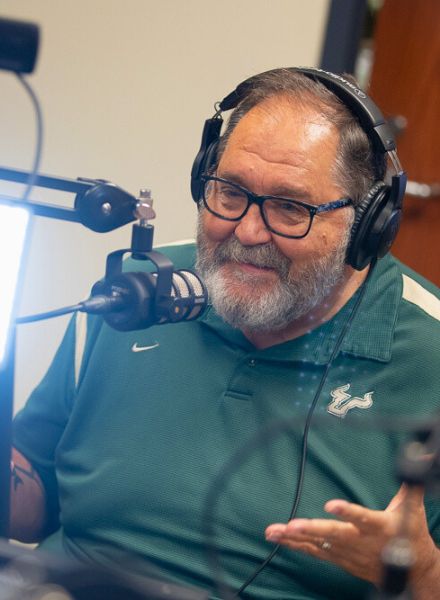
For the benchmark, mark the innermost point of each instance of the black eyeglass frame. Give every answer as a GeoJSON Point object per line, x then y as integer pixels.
{"type": "Point", "coordinates": [313, 209]}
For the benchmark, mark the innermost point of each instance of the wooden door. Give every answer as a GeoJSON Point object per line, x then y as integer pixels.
{"type": "Point", "coordinates": [406, 81]}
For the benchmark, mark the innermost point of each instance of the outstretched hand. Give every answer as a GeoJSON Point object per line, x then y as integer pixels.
{"type": "Point", "coordinates": [355, 538]}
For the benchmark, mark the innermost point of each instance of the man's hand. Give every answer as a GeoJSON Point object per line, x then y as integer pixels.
{"type": "Point", "coordinates": [354, 540]}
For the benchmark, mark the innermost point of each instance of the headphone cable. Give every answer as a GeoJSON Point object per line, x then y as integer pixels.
{"type": "Point", "coordinates": [304, 444]}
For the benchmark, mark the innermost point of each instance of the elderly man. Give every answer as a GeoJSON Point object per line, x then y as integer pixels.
{"type": "Point", "coordinates": [117, 449]}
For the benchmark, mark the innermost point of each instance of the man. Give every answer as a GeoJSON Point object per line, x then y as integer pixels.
{"type": "Point", "coordinates": [126, 444]}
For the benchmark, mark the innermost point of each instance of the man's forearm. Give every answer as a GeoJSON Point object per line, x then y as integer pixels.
{"type": "Point", "coordinates": [28, 514]}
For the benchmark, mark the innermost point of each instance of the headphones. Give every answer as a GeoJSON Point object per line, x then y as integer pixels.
{"type": "Point", "coordinates": [378, 214]}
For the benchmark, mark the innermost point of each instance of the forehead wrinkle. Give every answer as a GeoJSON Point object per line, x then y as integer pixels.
{"type": "Point", "coordinates": [275, 110]}
{"type": "Point", "coordinates": [286, 162]}
{"type": "Point", "coordinates": [304, 129]}
{"type": "Point", "coordinates": [287, 184]}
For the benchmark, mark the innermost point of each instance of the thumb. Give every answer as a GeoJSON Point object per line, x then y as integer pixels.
{"type": "Point", "coordinates": [416, 493]}
{"type": "Point", "coordinates": [397, 500]}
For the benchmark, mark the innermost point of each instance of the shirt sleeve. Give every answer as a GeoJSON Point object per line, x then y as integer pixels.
{"type": "Point", "coordinates": [38, 427]}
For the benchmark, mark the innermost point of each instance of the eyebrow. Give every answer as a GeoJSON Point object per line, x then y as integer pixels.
{"type": "Point", "coordinates": [282, 190]}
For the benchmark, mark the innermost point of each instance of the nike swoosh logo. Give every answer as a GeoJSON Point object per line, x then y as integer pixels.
{"type": "Point", "coordinates": [136, 348]}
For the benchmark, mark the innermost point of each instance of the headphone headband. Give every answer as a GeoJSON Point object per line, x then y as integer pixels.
{"type": "Point", "coordinates": [363, 107]}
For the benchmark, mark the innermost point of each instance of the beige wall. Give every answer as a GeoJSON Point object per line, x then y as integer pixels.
{"type": "Point", "coordinates": [125, 88]}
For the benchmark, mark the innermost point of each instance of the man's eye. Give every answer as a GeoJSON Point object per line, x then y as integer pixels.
{"type": "Point", "coordinates": [230, 192]}
{"type": "Point", "coordinates": [288, 207]}
{"type": "Point", "coordinates": [288, 213]}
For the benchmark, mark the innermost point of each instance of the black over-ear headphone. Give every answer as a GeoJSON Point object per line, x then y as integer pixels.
{"type": "Point", "coordinates": [377, 215]}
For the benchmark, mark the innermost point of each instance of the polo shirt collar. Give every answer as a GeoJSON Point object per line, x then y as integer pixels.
{"type": "Point", "coordinates": [369, 336]}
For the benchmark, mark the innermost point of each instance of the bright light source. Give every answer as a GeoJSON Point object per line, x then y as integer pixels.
{"type": "Point", "coordinates": [13, 227]}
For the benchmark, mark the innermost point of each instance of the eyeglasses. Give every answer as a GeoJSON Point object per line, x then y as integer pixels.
{"type": "Point", "coordinates": [283, 216]}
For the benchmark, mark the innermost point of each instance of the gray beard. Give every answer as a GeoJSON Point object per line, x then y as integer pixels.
{"type": "Point", "coordinates": [294, 295]}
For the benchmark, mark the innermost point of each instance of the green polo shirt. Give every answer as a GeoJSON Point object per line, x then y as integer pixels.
{"type": "Point", "coordinates": [131, 441]}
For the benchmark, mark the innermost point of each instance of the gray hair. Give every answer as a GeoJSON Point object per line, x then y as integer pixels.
{"type": "Point", "coordinates": [356, 166]}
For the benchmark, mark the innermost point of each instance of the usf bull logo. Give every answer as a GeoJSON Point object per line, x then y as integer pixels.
{"type": "Point", "coordinates": [343, 402]}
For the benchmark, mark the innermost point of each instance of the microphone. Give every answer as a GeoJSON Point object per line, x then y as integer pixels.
{"type": "Point", "coordinates": [18, 45]}
{"type": "Point", "coordinates": [131, 301]}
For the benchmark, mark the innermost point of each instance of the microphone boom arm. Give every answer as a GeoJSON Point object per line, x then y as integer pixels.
{"type": "Point", "coordinates": [99, 204]}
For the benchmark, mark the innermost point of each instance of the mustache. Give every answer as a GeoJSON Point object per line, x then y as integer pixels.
{"type": "Point", "coordinates": [264, 256]}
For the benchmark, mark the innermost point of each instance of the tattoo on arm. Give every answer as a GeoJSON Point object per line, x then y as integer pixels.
{"type": "Point", "coordinates": [18, 473]}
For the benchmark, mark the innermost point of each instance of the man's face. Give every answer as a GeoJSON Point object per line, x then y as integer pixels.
{"type": "Point", "coordinates": [258, 280]}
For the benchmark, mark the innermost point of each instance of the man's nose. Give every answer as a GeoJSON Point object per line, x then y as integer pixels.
{"type": "Point", "coordinates": [251, 229]}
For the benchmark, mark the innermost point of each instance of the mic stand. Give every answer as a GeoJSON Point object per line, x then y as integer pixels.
{"type": "Point", "coordinates": [99, 205]}
{"type": "Point", "coordinates": [418, 466]}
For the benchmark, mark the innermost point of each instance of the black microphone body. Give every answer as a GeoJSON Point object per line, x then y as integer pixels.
{"type": "Point", "coordinates": [18, 45]}
{"type": "Point", "coordinates": [128, 301]}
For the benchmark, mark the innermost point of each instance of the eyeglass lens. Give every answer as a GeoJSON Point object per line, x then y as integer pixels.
{"type": "Point", "coordinates": [230, 202]}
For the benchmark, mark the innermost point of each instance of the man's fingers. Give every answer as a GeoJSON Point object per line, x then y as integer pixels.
{"type": "Point", "coordinates": [306, 547]}
{"type": "Point", "coordinates": [363, 518]}
{"type": "Point", "coordinates": [314, 531]}
{"type": "Point", "coordinates": [275, 532]}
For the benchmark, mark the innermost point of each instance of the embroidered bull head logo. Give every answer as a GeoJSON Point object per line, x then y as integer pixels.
{"type": "Point", "coordinates": [343, 402]}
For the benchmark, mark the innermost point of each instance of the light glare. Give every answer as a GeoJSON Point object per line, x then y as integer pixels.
{"type": "Point", "coordinates": [13, 227]}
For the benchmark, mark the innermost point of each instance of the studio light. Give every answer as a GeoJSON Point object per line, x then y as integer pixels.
{"type": "Point", "coordinates": [14, 224]}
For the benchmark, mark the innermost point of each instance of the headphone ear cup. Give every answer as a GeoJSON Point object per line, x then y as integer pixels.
{"type": "Point", "coordinates": [375, 226]}
{"type": "Point", "coordinates": [206, 162]}
{"type": "Point", "coordinates": [206, 155]}
{"type": "Point", "coordinates": [210, 158]}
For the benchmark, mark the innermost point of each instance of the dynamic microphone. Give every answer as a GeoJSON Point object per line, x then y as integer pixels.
{"type": "Point", "coordinates": [130, 301]}
{"type": "Point", "coordinates": [18, 45]}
